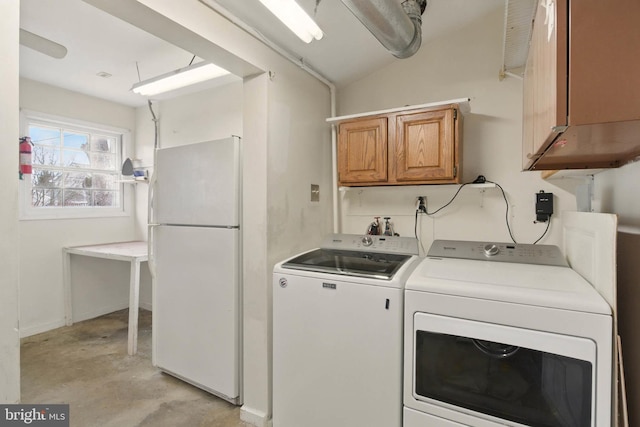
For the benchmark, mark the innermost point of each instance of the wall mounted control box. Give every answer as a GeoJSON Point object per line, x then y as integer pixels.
{"type": "Point", "coordinates": [544, 206]}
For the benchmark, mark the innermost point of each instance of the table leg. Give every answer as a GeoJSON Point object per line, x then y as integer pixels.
{"type": "Point", "coordinates": [66, 280]}
{"type": "Point", "coordinates": [134, 302]}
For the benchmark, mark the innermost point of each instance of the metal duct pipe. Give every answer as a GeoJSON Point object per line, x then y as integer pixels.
{"type": "Point", "coordinates": [397, 26]}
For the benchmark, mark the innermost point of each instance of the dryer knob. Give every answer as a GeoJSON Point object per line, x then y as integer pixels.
{"type": "Point", "coordinates": [367, 240]}
{"type": "Point", "coordinates": [491, 249]}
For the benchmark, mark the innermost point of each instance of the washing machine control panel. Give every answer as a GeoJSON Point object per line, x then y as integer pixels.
{"type": "Point", "coordinates": [372, 243]}
{"type": "Point", "coordinates": [500, 252]}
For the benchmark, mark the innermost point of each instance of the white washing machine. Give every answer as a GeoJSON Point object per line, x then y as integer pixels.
{"type": "Point", "coordinates": [505, 335]}
{"type": "Point", "coordinates": [337, 333]}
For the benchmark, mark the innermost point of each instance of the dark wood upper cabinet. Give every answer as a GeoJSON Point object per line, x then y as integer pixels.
{"type": "Point", "coordinates": [582, 85]}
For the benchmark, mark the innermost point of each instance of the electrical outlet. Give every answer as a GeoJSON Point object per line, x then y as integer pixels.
{"type": "Point", "coordinates": [421, 204]}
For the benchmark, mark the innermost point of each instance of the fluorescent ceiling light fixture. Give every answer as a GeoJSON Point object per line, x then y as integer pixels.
{"type": "Point", "coordinates": [182, 77]}
{"type": "Point", "coordinates": [294, 17]}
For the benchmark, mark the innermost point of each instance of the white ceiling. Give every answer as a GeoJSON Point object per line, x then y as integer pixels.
{"type": "Point", "coordinates": [97, 42]}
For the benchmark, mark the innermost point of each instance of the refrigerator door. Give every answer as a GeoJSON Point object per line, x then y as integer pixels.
{"type": "Point", "coordinates": [198, 184]}
{"type": "Point", "coordinates": [196, 307]}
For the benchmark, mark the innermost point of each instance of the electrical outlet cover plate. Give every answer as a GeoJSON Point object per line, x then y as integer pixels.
{"type": "Point", "coordinates": [424, 202]}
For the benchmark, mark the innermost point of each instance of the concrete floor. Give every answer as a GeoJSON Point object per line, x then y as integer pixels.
{"type": "Point", "coordinates": [87, 366]}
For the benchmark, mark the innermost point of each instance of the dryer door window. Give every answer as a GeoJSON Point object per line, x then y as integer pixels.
{"type": "Point", "coordinates": [509, 374]}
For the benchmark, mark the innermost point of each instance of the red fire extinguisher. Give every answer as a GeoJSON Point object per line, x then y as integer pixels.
{"type": "Point", "coordinates": [25, 156]}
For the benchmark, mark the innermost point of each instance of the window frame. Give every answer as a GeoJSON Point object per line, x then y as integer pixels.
{"type": "Point", "coordinates": [29, 212]}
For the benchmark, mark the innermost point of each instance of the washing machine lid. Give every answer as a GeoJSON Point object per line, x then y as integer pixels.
{"type": "Point", "coordinates": [349, 263]}
{"type": "Point", "coordinates": [511, 282]}
{"type": "Point", "coordinates": [375, 257]}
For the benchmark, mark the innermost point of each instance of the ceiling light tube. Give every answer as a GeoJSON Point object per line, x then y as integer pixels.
{"type": "Point", "coordinates": [182, 77]}
{"type": "Point", "coordinates": [294, 17]}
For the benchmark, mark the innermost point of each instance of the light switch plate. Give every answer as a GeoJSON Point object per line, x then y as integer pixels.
{"type": "Point", "coordinates": [315, 193]}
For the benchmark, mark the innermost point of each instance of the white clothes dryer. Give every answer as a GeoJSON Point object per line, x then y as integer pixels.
{"type": "Point", "coordinates": [503, 334]}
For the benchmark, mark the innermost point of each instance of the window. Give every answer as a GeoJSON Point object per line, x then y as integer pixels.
{"type": "Point", "coordinates": [76, 169]}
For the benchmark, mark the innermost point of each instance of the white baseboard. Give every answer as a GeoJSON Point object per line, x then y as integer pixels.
{"type": "Point", "coordinates": [254, 417]}
{"type": "Point", "coordinates": [38, 329]}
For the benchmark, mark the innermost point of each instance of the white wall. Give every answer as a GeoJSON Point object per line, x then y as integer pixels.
{"type": "Point", "coordinates": [298, 155]}
{"type": "Point", "coordinates": [10, 256]}
{"type": "Point", "coordinates": [208, 115]}
{"type": "Point", "coordinates": [41, 241]}
{"type": "Point", "coordinates": [143, 147]}
{"type": "Point", "coordinates": [616, 191]}
{"type": "Point", "coordinates": [255, 269]}
{"type": "Point", "coordinates": [461, 64]}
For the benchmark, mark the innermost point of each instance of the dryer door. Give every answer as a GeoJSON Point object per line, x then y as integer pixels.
{"type": "Point", "coordinates": [505, 374]}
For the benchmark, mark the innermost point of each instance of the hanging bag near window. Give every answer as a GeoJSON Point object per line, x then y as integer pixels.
{"type": "Point", "coordinates": [25, 156]}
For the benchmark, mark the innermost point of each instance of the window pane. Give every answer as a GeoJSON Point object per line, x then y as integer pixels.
{"type": "Point", "coordinates": [103, 161]}
{"type": "Point", "coordinates": [77, 198]}
{"type": "Point", "coordinates": [46, 197]}
{"type": "Point", "coordinates": [76, 159]}
{"type": "Point", "coordinates": [46, 178]}
{"type": "Point", "coordinates": [76, 140]}
{"type": "Point", "coordinates": [77, 180]}
{"type": "Point", "coordinates": [44, 136]}
{"type": "Point", "coordinates": [74, 167]}
{"type": "Point", "coordinates": [104, 181]}
{"type": "Point", "coordinates": [45, 156]}
{"type": "Point", "coordinates": [103, 144]}
{"type": "Point", "coordinates": [105, 198]}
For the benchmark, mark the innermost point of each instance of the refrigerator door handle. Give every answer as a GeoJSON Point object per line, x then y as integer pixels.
{"type": "Point", "coordinates": [151, 194]}
{"type": "Point", "coordinates": [151, 227]}
{"type": "Point", "coordinates": [151, 259]}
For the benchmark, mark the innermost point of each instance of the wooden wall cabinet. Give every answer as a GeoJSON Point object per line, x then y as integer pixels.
{"type": "Point", "coordinates": [406, 147]}
{"type": "Point", "coordinates": [582, 85]}
{"type": "Point", "coordinates": [362, 151]}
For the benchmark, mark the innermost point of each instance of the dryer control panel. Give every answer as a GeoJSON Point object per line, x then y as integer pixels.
{"type": "Point", "coordinates": [498, 252]}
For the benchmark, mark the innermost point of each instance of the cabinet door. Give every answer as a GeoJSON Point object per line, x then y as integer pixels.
{"type": "Point", "coordinates": [545, 81]}
{"type": "Point", "coordinates": [604, 82]}
{"type": "Point", "coordinates": [425, 148]}
{"type": "Point", "coordinates": [528, 113]}
{"type": "Point", "coordinates": [362, 151]}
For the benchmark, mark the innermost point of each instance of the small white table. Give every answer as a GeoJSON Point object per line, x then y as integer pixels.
{"type": "Point", "coordinates": [133, 252]}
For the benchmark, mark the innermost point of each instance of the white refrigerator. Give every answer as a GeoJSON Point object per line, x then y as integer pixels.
{"type": "Point", "coordinates": [195, 254]}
